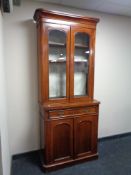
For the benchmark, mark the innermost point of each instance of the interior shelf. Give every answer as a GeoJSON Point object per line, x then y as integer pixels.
{"type": "Point", "coordinates": [57, 61]}
{"type": "Point", "coordinates": [56, 44]}
{"type": "Point", "coordinates": [81, 46]}
{"type": "Point", "coordinates": [51, 43]}
{"type": "Point", "coordinates": [63, 61]}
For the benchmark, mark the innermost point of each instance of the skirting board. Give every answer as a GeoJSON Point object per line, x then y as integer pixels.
{"type": "Point", "coordinates": [21, 155]}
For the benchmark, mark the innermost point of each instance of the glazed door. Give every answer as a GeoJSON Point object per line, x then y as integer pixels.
{"type": "Point", "coordinates": [56, 48]}
{"type": "Point", "coordinates": [85, 134]}
{"type": "Point", "coordinates": [60, 139]}
{"type": "Point", "coordinates": [82, 64]}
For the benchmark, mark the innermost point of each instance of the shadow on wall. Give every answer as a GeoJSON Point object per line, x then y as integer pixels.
{"type": "Point", "coordinates": [26, 78]}
{"type": "Point", "coordinates": [33, 84]}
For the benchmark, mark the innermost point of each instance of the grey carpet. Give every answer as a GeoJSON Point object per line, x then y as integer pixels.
{"type": "Point", "coordinates": [114, 159]}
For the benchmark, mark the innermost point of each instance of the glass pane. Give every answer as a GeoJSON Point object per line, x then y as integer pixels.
{"type": "Point", "coordinates": [81, 59]}
{"type": "Point", "coordinates": [57, 64]}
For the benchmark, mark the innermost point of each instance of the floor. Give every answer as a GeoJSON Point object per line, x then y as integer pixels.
{"type": "Point", "coordinates": [114, 159]}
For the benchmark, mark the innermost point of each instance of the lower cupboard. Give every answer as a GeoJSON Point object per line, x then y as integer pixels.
{"type": "Point", "coordinates": [70, 139]}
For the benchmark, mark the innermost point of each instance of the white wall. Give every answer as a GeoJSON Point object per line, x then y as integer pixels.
{"type": "Point", "coordinates": [5, 158]}
{"type": "Point", "coordinates": [112, 74]}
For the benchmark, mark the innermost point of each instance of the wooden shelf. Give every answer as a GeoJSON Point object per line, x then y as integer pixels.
{"type": "Point", "coordinates": [80, 61]}
{"type": "Point", "coordinates": [55, 44]}
{"type": "Point", "coordinates": [58, 61]}
{"type": "Point", "coordinates": [63, 61]}
{"type": "Point", "coordinates": [81, 46]}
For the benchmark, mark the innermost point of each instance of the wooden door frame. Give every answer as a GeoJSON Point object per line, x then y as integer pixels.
{"type": "Point", "coordinates": [91, 33]}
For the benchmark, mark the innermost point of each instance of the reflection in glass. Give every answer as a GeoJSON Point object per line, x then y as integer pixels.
{"type": "Point", "coordinates": [57, 64]}
{"type": "Point", "coordinates": [81, 59]}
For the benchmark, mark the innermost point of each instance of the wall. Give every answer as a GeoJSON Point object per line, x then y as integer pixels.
{"type": "Point", "coordinates": [4, 145]}
{"type": "Point", "coordinates": [112, 74]}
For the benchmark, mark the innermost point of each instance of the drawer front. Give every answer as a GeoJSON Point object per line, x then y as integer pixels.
{"type": "Point", "coordinates": [60, 113]}
{"type": "Point", "coordinates": [74, 111]}
{"type": "Point", "coordinates": [86, 110]}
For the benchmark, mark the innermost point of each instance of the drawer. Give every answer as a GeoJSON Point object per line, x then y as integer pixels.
{"type": "Point", "coordinates": [74, 111]}
{"type": "Point", "coordinates": [60, 113]}
{"type": "Point", "coordinates": [86, 110]}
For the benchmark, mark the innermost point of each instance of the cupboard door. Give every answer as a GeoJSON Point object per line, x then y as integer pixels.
{"type": "Point", "coordinates": [56, 61]}
{"type": "Point", "coordinates": [82, 61]}
{"type": "Point", "coordinates": [60, 133]}
{"type": "Point", "coordinates": [85, 135]}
